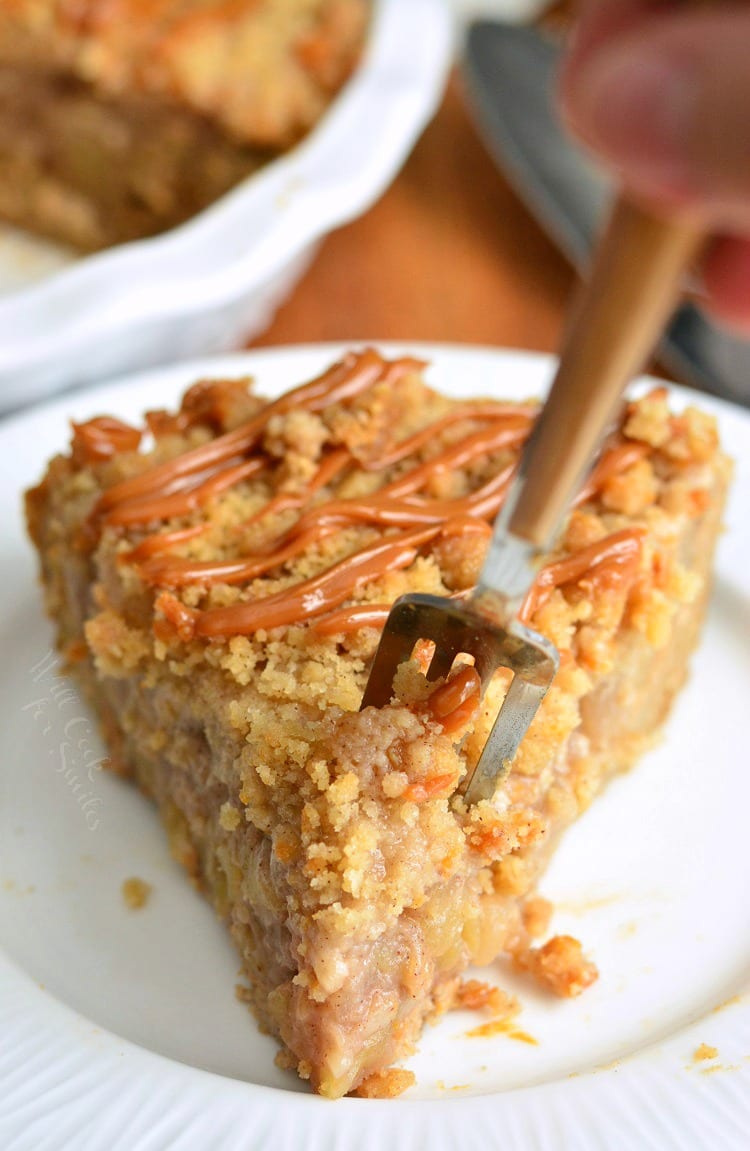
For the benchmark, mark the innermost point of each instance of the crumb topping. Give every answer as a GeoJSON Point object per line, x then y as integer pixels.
{"type": "Point", "coordinates": [559, 965]}
{"type": "Point", "coordinates": [386, 1084]}
{"type": "Point", "coordinates": [135, 893]}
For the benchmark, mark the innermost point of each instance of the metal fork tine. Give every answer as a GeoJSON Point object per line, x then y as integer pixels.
{"type": "Point", "coordinates": [442, 660]}
{"type": "Point", "coordinates": [396, 645]}
{"type": "Point", "coordinates": [486, 664]}
{"type": "Point", "coordinates": [454, 629]}
{"type": "Point", "coordinates": [519, 708]}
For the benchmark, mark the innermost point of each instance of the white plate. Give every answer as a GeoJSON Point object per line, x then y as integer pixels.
{"type": "Point", "coordinates": [215, 281]}
{"type": "Point", "coordinates": [120, 1029]}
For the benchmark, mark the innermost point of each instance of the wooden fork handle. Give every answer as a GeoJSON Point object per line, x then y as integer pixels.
{"type": "Point", "coordinates": [616, 321]}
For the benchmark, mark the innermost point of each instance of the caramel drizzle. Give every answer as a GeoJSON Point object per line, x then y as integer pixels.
{"type": "Point", "coordinates": [332, 465]}
{"type": "Point", "coordinates": [617, 456]}
{"type": "Point", "coordinates": [183, 500]}
{"type": "Point", "coordinates": [612, 560]}
{"type": "Point", "coordinates": [176, 572]}
{"type": "Point", "coordinates": [206, 402]}
{"type": "Point", "coordinates": [318, 524]}
{"type": "Point", "coordinates": [308, 597]}
{"type": "Point", "coordinates": [183, 484]}
{"type": "Point", "coordinates": [485, 501]}
{"type": "Point", "coordinates": [349, 619]}
{"type": "Point", "coordinates": [349, 377]}
{"type": "Point", "coordinates": [161, 541]}
{"type": "Point", "coordinates": [522, 413]}
{"type": "Point", "coordinates": [454, 703]}
{"type": "Point", "coordinates": [102, 438]}
{"type": "Point", "coordinates": [384, 508]}
{"type": "Point", "coordinates": [153, 495]}
{"type": "Point", "coordinates": [459, 455]}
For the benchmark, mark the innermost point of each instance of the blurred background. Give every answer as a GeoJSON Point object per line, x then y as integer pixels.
{"type": "Point", "coordinates": [480, 237]}
{"type": "Point", "coordinates": [436, 198]}
{"type": "Point", "coordinates": [448, 253]}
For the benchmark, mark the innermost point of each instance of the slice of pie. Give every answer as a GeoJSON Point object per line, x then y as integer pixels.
{"type": "Point", "coordinates": [218, 577]}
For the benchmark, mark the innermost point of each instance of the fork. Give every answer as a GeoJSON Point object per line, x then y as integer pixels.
{"type": "Point", "coordinates": [613, 327]}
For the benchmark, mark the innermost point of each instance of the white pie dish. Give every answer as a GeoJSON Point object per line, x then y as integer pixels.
{"type": "Point", "coordinates": [214, 282]}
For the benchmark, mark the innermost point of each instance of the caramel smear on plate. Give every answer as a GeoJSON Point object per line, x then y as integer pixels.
{"type": "Point", "coordinates": [476, 995]}
{"type": "Point", "coordinates": [501, 1027]}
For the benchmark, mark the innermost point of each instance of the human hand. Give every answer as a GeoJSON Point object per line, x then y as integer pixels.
{"type": "Point", "coordinates": [661, 91]}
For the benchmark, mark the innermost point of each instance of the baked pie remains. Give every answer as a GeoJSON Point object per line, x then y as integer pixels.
{"type": "Point", "coordinates": [121, 118]}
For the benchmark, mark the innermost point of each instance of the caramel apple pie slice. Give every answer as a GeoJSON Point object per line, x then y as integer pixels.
{"type": "Point", "coordinates": [218, 577]}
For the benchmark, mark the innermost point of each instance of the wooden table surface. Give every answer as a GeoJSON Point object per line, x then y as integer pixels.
{"type": "Point", "coordinates": [448, 253]}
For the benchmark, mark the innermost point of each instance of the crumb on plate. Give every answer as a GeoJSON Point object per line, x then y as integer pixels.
{"type": "Point", "coordinates": [135, 892]}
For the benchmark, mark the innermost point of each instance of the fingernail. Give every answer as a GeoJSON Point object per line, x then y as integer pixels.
{"type": "Point", "coordinates": [637, 111]}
